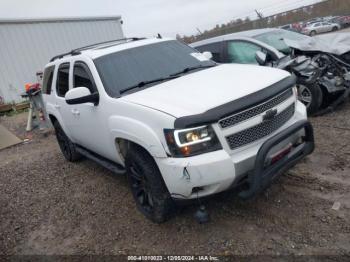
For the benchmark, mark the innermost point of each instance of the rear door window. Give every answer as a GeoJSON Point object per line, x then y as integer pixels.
{"type": "Point", "coordinates": [62, 85]}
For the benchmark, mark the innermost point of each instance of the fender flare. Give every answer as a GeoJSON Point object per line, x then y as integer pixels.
{"type": "Point", "coordinates": [137, 132]}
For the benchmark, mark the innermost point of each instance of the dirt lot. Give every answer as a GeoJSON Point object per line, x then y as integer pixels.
{"type": "Point", "coordinates": [50, 206]}
{"type": "Point", "coordinates": [345, 30]}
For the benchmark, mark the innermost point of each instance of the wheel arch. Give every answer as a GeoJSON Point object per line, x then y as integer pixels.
{"type": "Point", "coordinates": [53, 118]}
{"type": "Point", "coordinates": [127, 132]}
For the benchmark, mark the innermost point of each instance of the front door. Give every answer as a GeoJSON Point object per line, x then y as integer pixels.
{"type": "Point", "coordinates": [242, 52]}
{"type": "Point", "coordinates": [87, 125]}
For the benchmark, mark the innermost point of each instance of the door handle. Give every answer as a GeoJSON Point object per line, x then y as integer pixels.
{"type": "Point", "coordinates": [75, 112]}
{"type": "Point", "coordinates": [57, 106]}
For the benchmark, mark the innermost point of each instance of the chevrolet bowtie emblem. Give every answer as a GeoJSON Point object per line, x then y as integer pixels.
{"type": "Point", "coordinates": [270, 115]}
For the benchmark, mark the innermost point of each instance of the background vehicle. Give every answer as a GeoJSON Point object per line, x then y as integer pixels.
{"type": "Point", "coordinates": [296, 27]}
{"type": "Point", "coordinates": [343, 21]}
{"type": "Point", "coordinates": [168, 117]}
{"type": "Point", "coordinates": [320, 27]}
{"type": "Point", "coordinates": [242, 48]}
{"type": "Point", "coordinates": [331, 54]}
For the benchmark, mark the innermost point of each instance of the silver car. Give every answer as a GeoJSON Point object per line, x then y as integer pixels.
{"type": "Point", "coordinates": [320, 27]}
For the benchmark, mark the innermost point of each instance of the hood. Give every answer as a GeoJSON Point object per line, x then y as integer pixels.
{"type": "Point", "coordinates": [198, 92]}
{"type": "Point", "coordinates": [335, 43]}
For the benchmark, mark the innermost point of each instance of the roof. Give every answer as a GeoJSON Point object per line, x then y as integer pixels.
{"type": "Point", "coordinates": [249, 33]}
{"type": "Point", "coordinates": [58, 19]}
{"type": "Point", "coordinates": [108, 48]}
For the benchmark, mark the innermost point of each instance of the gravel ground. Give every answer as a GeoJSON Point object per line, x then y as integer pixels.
{"type": "Point", "coordinates": [50, 206]}
{"type": "Point", "coordinates": [345, 30]}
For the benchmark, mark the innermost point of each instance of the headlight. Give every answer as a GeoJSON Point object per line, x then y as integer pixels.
{"type": "Point", "coordinates": [191, 141]}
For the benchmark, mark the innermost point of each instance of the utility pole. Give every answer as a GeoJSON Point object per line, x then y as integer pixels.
{"type": "Point", "coordinates": [259, 14]}
{"type": "Point", "coordinates": [199, 31]}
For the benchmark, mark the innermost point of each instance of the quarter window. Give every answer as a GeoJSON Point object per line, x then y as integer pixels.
{"type": "Point", "coordinates": [47, 81]}
{"type": "Point", "coordinates": [63, 80]}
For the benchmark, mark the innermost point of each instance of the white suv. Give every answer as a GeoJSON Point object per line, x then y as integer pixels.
{"type": "Point", "coordinates": [179, 125]}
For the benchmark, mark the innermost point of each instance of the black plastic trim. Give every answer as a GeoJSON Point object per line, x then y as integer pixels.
{"type": "Point", "coordinates": [93, 98]}
{"type": "Point", "coordinates": [215, 114]}
{"type": "Point", "coordinates": [113, 167]}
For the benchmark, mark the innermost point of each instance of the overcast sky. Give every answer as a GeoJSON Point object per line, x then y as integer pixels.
{"type": "Point", "coordinates": [149, 17]}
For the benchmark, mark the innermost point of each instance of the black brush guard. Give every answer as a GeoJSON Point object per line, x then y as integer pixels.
{"type": "Point", "coordinates": [263, 175]}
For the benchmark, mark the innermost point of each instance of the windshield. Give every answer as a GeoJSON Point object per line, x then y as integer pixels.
{"type": "Point", "coordinates": [275, 39]}
{"type": "Point", "coordinates": [128, 68]}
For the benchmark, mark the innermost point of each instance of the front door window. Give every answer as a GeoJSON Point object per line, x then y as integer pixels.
{"type": "Point", "coordinates": [242, 52]}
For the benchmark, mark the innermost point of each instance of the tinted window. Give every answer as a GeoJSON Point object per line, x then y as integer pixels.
{"type": "Point", "coordinates": [82, 77]}
{"type": "Point", "coordinates": [62, 80]}
{"type": "Point", "coordinates": [276, 39]}
{"type": "Point", "coordinates": [242, 52]}
{"type": "Point", "coordinates": [129, 67]}
{"type": "Point", "coordinates": [47, 81]}
{"type": "Point", "coordinates": [214, 48]}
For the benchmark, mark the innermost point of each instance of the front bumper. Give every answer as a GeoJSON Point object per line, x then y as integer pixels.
{"type": "Point", "coordinates": [210, 173]}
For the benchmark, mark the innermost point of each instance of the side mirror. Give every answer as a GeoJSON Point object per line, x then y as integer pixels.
{"type": "Point", "coordinates": [260, 57]}
{"type": "Point", "coordinates": [207, 55]}
{"type": "Point", "coordinates": [80, 95]}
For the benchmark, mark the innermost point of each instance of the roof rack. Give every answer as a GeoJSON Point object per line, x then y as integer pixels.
{"type": "Point", "coordinates": [77, 51]}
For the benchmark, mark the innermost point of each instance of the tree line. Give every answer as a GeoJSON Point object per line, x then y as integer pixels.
{"type": "Point", "coordinates": [325, 8]}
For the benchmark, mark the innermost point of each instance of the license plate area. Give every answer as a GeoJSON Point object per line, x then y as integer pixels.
{"type": "Point", "coordinates": [274, 158]}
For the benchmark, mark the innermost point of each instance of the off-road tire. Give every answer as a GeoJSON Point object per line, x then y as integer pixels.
{"type": "Point", "coordinates": [140, 161]}
{"type": "Point", "coordinates": [68, 149]}
{"type": "Point", "coordinates": [316, 96]}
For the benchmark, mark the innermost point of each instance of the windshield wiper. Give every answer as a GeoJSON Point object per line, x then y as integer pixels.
{"type": "Point", "coordinates": [188, 69]}
{"type": "Point", "coordinates": [144, 83]}
{"type": "Point", "coordinates": [172, 76]}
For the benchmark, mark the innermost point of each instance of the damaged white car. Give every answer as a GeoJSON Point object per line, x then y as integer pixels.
{"type": "Point", "coordinates": [321, 64]}
{"type": "Point", "coordinates": [177, 124]}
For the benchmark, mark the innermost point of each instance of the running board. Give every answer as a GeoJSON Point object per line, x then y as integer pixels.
{"type": "Point", "coordinates": [111, 166]}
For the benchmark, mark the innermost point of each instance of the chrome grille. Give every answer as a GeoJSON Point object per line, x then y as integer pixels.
{"type": "Point", "coordinates": [254, 111]}
{"type": "Point", "coordinates": [261, 130]}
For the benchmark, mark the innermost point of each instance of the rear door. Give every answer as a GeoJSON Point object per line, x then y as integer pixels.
{"type": "Point", "coordinates": [317, 27]}
{"type": "Point", "coordinates": [325, 27]}
{"type": "Point", "coordinates": [63, 113]}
